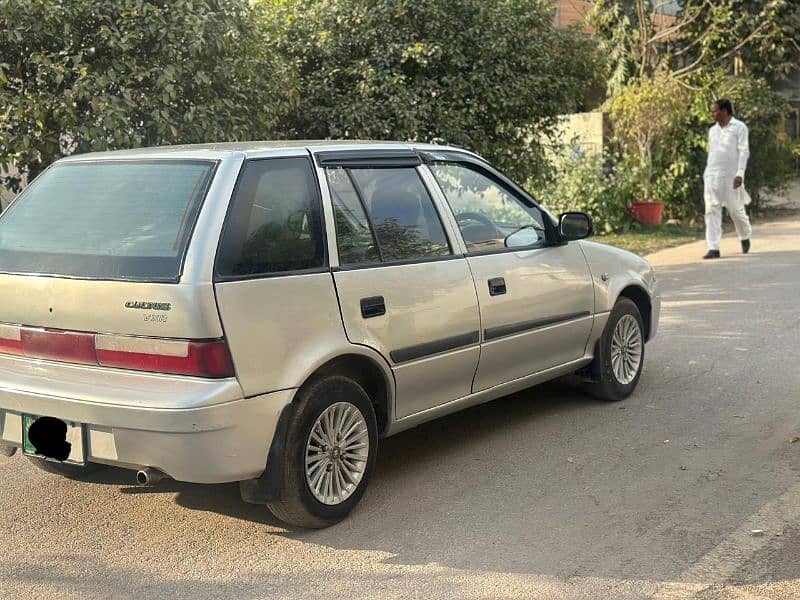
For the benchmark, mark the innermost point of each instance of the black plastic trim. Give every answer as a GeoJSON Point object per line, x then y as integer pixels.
{"type": "Point", "coordinates": [368, 158]}
{"type": "Point", "coordinates": [374, 306]}
{"type": "Point", "coordinates": [269, 487]}
{"type": "Point", "coordinates": [493, 333]}
{"type": "Point", "coordinates": [252, 276]}
{"type": "Point", "coordinates": [565, 238]}
{"type": "Point", "coordinates": [508, 250]}
{"type": "Point", "coordinates": [434, 156]}
{"type": "Point", "coordinates": [497, 286]}
{"type": "Point", "coordinates": [397, 263]}
{"type": "Point", "coordinates": [429, 348]}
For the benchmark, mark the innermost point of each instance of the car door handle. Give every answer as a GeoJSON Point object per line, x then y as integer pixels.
{"type": "Point", "coordinates": [374, 306]}
{"type": "Point", "coordinates": [497, 286]}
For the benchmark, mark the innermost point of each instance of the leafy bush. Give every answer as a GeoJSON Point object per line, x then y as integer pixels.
{"type": "Point", "coordinates": [678, 158]}
{"type": "Point", "coordinates": [644, 115]}
{"type": "Point", "coordinates": [488, 76]}
{"type": "Point", "coordinates": [601, 187]}
{"type": "Point", "coordinates": [103, 74]}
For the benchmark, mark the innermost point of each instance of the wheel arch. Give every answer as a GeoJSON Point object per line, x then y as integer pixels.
{"type": "Point", "coordinates": [359, 363]}
{"type": "Point", "coordinates": [639, 296]}
{"type": "Point", "coordinates": [368, 373]}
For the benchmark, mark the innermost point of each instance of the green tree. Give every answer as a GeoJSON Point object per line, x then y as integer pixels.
{"type": "Point", "coordinates": [760, 38]}
{"type": "Point", "coordinates": [489, 76]}
{"type": "Point", "coordinates": [757, 37]}
{"type": "Point", "coordinates": [645, 115]}
{"type": "Point", "coordinates": [102, 74]}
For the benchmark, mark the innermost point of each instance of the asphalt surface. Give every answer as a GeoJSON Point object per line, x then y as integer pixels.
{"type": "Point", "coordinates": [544, 494]}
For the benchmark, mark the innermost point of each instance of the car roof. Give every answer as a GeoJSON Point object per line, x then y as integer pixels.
{"type": "Point", "coordinates": [253, 149]}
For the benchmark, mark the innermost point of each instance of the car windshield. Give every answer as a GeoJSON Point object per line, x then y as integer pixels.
{"type": "Point", "coordinates": [127, 220]}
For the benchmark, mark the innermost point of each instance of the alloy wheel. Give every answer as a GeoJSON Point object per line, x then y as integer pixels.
{"type": "Point", "coordinates": [337, 451]}
{"type": "Point", "coordinates": [626, 349]}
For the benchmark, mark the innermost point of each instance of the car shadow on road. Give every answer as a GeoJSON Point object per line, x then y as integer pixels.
{"type": "Point", "coordinates": [221, 498]}
{"type": "Point", "coordinates": [408, 453]}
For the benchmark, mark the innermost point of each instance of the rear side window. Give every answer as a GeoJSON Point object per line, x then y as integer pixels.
{"type": "Point", "coordinates": [274, 224]}
{"type": "Point", "coordinates": [402, 221]}
{"type": "Point", "coordinates": [406, 223]}
{"type": "Point", "coordinates": [106, 220]}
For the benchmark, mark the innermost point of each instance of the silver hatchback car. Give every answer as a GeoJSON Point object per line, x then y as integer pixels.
{"type": "Point", "coordinates": [265, 312]}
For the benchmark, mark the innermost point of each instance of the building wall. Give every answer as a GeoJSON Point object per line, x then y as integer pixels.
{"type": "Point", "coordinates": [569, 12]}
{"type": "Point", "coordinates": [583, 133]}
{"type": "Point", "coordinates": [790, 89]}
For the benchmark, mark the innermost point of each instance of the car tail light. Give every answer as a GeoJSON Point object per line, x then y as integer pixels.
{"type": "Point", "coordinates": [68, 346]}
{"type": "Point", "coordinates": [10, 339]}
{"type": "Point", "coordinates": [179, 357]}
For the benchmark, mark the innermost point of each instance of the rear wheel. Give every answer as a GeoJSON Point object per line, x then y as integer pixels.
{"type": "Point", "coordinates": [65, 469]}
{"type": "Point", "coordinates": [620, 353]}
{"type": "Point", "coordinates": [330, 453]}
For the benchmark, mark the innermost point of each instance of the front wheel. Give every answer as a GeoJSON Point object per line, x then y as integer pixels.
{"type": "Point", "coordinates": [619, 360]}
{"type": "Point", "coordinates": [330, 453]}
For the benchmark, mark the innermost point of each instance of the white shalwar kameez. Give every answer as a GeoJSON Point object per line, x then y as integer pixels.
{"type": "Point", "coordinates": [728, 151]}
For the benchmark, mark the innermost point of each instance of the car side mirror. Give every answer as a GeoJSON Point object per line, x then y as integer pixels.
{"type": "Point", "coordinates": [525, 236]}
{"type": "Point", "coordinates": [574, 226]}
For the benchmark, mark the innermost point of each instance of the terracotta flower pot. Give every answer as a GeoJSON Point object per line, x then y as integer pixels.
{"type": "Point", "coordinates": [646, 212]}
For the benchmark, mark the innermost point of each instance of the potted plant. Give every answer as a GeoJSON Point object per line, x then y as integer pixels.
{"type": "Point", "coordinates": [645, 113]}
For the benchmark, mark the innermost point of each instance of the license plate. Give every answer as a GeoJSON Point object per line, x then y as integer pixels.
{"type": "Point", "coordinates": [75, 438]}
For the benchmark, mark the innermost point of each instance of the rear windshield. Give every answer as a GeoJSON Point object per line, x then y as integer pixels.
{"type": "Point", "coordinates": [105, 220]}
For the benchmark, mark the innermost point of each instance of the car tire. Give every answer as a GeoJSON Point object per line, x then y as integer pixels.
{"type": "Point", "coordinates": [76, 472]}
{"type": "Point", "coordinates": [325, 476]}
{"type": "Point", "coordinates": [619, 360]}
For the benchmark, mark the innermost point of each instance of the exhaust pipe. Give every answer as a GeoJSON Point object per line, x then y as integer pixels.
{"type": "Point", "coordinates": [149, 476]}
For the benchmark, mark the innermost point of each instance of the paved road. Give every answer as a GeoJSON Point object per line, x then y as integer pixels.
{"type": "Point", "coordinates": [543, 494]}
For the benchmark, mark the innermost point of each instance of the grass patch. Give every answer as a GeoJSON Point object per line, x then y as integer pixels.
{"type": "Point", "coordinates": [650, 238]}
{"type": "Point", "coordinates": [644, 239]}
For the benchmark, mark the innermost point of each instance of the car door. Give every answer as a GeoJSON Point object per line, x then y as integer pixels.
{"type": "Point", "coordinates": [536, 298]}
{"type": "Point", "coordinates": [402, 289]}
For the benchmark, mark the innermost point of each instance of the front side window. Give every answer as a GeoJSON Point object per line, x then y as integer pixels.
{"type": "Point", "coordinates": [489, 216]}
{"type": "Point", "coordinates": [407, 226]}
{"type": "Point", "coordinates": [106, 219]}
{"type": "Point", "coordinates": [274, 223]}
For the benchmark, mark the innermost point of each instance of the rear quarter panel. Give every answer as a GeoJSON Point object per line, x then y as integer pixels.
{"type": "Point", "coordinates": [280, 329]}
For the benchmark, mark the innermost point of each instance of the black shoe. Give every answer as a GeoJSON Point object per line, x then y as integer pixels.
{"type": "Point", "coordinates": [745, 246]}
{"type": "Point", "coordinates": [712, 254]}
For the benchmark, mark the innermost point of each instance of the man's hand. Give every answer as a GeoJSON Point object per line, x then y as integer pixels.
{"type": "Point", "coordinates": [737, 182]}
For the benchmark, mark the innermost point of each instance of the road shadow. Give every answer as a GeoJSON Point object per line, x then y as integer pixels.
{"type": "Point", "coordinates": [419, 451]}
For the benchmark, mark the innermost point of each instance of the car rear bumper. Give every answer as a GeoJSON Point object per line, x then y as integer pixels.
{"type": "Point", "coordinates": [192, 431]}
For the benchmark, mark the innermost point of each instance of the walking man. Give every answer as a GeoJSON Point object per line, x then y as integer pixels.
{"type": "Point", "coordinates": [728, 151]}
